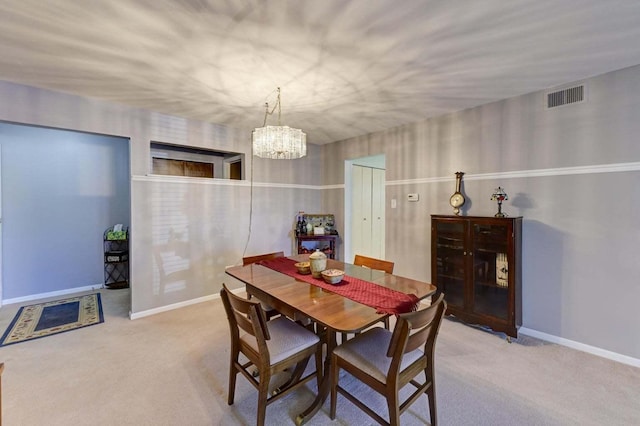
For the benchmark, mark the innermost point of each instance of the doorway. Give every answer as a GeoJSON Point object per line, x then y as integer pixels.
{"type": "Point", "coordinates": [235, 170]}
{"type": "Point", "coordinates": [365, 207]}
{"type": "Point", "coordinates": [61, 189]}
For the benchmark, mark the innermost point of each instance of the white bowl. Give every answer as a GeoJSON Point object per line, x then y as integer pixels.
{"type": "Point", "coordinates": [332, 276]}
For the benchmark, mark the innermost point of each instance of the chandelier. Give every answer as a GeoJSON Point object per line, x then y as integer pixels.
{"type": "Point", "coordinates": [278, 142]}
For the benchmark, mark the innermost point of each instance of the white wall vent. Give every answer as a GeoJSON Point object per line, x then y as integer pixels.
{"type": "Point", "coordinates": [566, 96]}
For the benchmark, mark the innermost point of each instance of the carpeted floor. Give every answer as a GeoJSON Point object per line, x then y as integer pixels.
{"type": "Point", "coordinates": [172, 369]}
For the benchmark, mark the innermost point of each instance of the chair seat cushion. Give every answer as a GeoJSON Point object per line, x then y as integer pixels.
{"type": "Point", "coordinates": [368, 351]}
{"type": "Point", "coordinates": [287, 338]}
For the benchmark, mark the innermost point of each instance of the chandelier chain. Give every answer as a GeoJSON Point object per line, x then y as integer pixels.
{"type": "Point", "coordinates": [268, 113]}
{"type": "Point", "coordinates": [278, 142]}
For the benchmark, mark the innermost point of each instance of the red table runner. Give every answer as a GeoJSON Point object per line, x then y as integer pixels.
{"type": "Point", "coordinates": [383, 299]}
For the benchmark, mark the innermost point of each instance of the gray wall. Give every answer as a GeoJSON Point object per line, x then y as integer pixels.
{"type": "Point", "coordinates": [60, 191]}
{"type": "Point", "coordinates": [567, 171]}
{"type": "Point", "coordinates": [573, 173]}
{"type": "Point", "coordinates": [196, 224]}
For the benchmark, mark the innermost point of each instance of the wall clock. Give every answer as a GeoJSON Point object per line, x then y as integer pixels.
{"type": "Point", "coordinates": [457, 199]}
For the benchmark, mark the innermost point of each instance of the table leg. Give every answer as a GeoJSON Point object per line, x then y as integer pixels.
{"type": "Point", "coordinates": [296, 374]}
{"type": "Point", "coordinates": [324, 387]}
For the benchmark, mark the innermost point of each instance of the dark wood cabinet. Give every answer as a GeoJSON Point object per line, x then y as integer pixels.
{"type": "Point", "coordinates": [476, 263]}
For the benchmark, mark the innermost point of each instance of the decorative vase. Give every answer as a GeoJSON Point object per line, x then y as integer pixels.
{"type": "Point", "coordinates": [318, 262]}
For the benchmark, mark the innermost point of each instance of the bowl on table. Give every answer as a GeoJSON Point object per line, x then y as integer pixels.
{"type": "Point", "coordinates": [332, 276]}
{"type": "Point", "coordinates": [303, 268]}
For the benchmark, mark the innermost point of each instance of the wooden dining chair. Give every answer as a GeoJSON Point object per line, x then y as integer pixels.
{"type": "Point", "coordinates": [270, 346]}
{"type": "Point", "coordinates": [270, 311]}
{"type": "Point", "coordinates": [257, 258]}
{"type": "Point", "coordinates": [373, 263]}
{"type": "Point", "coordinates": [377, 264]}
{"type": "Point", "coordinates": [409, 351]}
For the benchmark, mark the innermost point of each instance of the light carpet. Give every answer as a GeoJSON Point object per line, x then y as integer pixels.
{"type": "Point", "coordinates": [173, 368]}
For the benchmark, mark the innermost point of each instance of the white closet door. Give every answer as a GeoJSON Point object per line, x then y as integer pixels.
{"type": "Point", "coordinates": [361, 205]}
{"type": "Point", "coordinates": [367, 218]}
{"type": "Point", "coordinates": [377, 213]}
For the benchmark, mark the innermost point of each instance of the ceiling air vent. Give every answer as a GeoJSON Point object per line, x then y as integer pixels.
{"type": "Point", "coordinates": [565, 96]}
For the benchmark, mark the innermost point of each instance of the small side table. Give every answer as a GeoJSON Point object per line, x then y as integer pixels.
{"type": "Point", "coordinates": [116, 259]}
{"type": "Point", "coordinates": [309, 243]}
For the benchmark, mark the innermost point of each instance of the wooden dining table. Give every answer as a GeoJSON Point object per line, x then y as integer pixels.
{"type": "Point", "coordinates": [332, 312]}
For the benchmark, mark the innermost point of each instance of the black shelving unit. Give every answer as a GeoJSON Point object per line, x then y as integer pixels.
{"type": "Point", "coordinates": [116, 259]}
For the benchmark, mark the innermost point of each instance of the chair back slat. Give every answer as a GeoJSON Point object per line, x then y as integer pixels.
{"type": "Point", "coordinates": [245, 314]}
{"type": "Point", "coordinates": [426, 325]}
{"type": "Point", "coordinates": [417, 329]}
{"type": "Point", "coordinates": [373, 263]}
{"type": "Point", "coordinates": [257, 258]}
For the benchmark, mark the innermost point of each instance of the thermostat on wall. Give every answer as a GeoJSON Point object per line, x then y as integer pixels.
{"type": "Point", "coordinates": [413, 197]}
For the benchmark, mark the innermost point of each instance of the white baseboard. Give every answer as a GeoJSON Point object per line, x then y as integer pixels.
{"type": "Point", "coordinates": [51, 294]}
{"type": "Point", "coordinates": [179, 305]}
{"type": "Point", "coordinates": [614, 356]}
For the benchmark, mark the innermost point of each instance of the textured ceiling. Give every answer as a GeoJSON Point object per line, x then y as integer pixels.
{"type": "Point", "coordinates": [346, 68]}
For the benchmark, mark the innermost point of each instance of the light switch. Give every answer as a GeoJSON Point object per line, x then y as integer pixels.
{"type": "Point", "coordinates": [394, 203]}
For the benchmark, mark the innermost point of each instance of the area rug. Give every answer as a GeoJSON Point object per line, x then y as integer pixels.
{"type": "Point", "coordinates": [48, 318]}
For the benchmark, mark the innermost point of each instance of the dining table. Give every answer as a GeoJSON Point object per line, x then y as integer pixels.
{"type": "Point", "coordinates": [300, 298]}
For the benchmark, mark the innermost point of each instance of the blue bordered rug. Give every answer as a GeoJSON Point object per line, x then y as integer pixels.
{"type": "Point", "coordinates": [44, 319]}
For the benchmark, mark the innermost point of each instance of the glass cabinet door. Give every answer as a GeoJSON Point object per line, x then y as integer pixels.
{"type": "Point", "coordinates": [490, 269]}
{"type": "Point", "coordinates": [450, 257]}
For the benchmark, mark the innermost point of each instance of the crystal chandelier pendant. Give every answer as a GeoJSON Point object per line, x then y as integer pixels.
{"type": "Point", "coordinates": [278, 142]}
